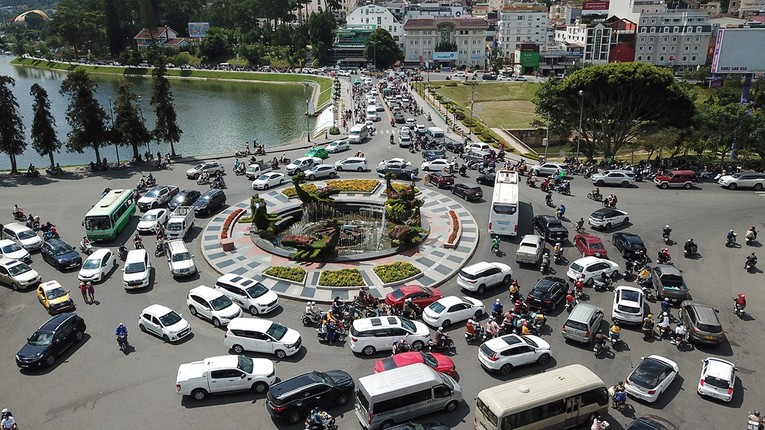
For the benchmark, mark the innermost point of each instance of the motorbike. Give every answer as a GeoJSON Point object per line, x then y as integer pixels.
{"type": "Point", "coordinates": [151, 182]}
{"type": "Point", "coordinates": [138, 244]}
{"type": "Point", "coordinates": [33, 223]}
{"type": "Point", "coordinates": [604, 282]}
{"type": "Point", "coordinates": [738, 309]}
{"type": "Point", "coordinates": [549, 201]}
{"type": "Point", "coordinates": [596, 197]}
{"type": "Point", "coordinates": [750, 265]}
{"type": "Point", "coordinates": [122, 251]}
{"type": "Point", "coordinates": [51, 234]}
{"type": "Point", "coordinates": [559, 258]}
{"type": "Point", "coordinates": [463, 170]}
{"type": "Point", "coordinates": [495, 247]}
{"type": "Point", "coordinates": [647, 332]}
{"type": "Point", "coordinates": [141, 185]}
{"type": "Point", "coordinates": [218, 184]}
{"type": "Point", "coordinates": [203, 180]}
{"type": "Point", "coordinates": [122, 341]}
{"type": "Point", "coordinates": [239, 170]}
{"type": "Point", "coordinates": [284, 159]}
{"type": "Point", "coordinates": [665, 236]}
{"type": "Point", "coordinates": [53, 171]}
{"type": "Point", "coordinates": [690, 251]}
{"type": "Point", "coordinates": [477, 336]}
{"type": "Point", "coordinates": [544, 266]}
{"type": "Point", "coordinates": [599, 348]}
{"type": "Point", "coordinates": [560, 213]}
{"type": "Point", "coordinates": [32, 173]}
{"type": "Point", "coordinates": [333, 333]}
{"type": "Point", "coordinates": [327, 423]}
{"type": "Point", "coordinates": [87, 248]}
{"type": "Point", "coordinates": [730, 240]}
{"type": "Point", "coordinates": [312, 319]}
{"type": "Point", "coordinates": [447, 344]}
{"type": "Point", "coordinates": [647, 291]}
{"type": "Point", "coordinates": [19, 215]}
{"type": "Point", "coordinates": [614, 338]}
{"type": "Point", "coordinates": [159, 251]}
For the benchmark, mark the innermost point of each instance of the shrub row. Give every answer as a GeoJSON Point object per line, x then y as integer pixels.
{"type": "Point", "coordinates": [289, 273]}
{"type": "Point", "coordinates": [341, 278]}
{"type": "Point", "coordinates": [396, 271]}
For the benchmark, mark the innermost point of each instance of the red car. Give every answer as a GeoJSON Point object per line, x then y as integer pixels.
{"type": "Point", "coordinates": [591, 246]}
{"type": "Point", "coordinates": [421, 296]}
{"type": "Point", "coordinates": [439, 362]}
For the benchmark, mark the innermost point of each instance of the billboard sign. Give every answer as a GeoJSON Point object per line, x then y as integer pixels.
{"type": "Point", "coordinates": [735, 48]}
{"type": "Point", "coordinates": [445, 56]}
{"type": "Point", "coordinates": [595, 5]}
{"type": "Point", "coordinates": [198, 29]}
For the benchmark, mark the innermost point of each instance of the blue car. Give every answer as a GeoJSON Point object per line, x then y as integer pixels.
{"type": "Point", "coordinates": [60, 255]}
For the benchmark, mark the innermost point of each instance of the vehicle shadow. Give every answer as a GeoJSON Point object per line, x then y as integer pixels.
{"type": "Point", "coordinates": [724, 349]}
{"type": "Point", "coordinates": [524, 371]}
{"type": "Point", "coordinates": [60, 360]}
{"type": "Point", "coordinates": [223, 399]}
{"type": "Point", "coordinates": [667, 396]}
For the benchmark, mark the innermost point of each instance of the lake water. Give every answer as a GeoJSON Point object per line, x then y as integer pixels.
{"type": "Point", "coordinates": [215, 116]}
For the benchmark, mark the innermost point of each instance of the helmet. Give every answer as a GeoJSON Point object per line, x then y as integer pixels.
{"type": "Point", "coordinates": [557, 244]}
{"type": "Point", "coordinates": [666, 299]}
{"type": "Point", "coordinates": [491, 319]}
{"type": "Point", "coordinates": [756, 413]}
{"type": "Point", "coordinates": [409, 300]}
{"type": "Point", "coordinates": [517, 302]}
{"type": "Point", "coordinates": [5, 411]}
{"type": "Point", "coordinates": [496, 301]}
{"type": "Point", "coordinates": [440, 329]}
{"type": "Point", "coordinates": [665, 314]}
{"type": "Point", "coordinates": [650, 316]}
{"type": "Point", "coordinates": [121, 325]}
{"type": "Point", "coordinates": [666, 226]}
{"type": "Point", "coordinates": [741, 295]}
{"type": "Point", "coordinates": [470, 321]}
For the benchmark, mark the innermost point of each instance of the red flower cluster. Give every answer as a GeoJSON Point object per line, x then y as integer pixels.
{"type": "Point", "coordinates": [227, 224]}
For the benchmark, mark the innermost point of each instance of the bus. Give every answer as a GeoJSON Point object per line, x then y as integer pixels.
{"type": "Point", "coordinates": [503, 217]}
{"type": "Point", "coordinates": [110, 215]}
{"type": "Point", "coordinates": [557, 399]}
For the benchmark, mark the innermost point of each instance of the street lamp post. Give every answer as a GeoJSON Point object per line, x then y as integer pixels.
{"type": "Point", "coordinates": [307, 117]}
{"type": "Point", "coordinates": [143, 121]}
{"type": "Point", "coordinates": [111, 117]}
{"type": "Point", "coordinates": [472, 103]}
{"type": "Point", "coordinates": [546, 142]}
{"type": "Point", "coordinates": [581, 113]}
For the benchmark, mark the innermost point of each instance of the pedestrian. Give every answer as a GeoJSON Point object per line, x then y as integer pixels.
{"type": "Point", "coordinates": [326, 135]}
{"type": "Point", "coordinates": [91, 292]}
{"type": "Point", "coordinates": [84, 291]}
{"type": "Point", "coordinates": [414, 178]}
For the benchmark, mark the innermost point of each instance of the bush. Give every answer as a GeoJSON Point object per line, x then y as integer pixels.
{"type": "Point", "coordinates": [461, 116]}
{"type": "Point", "coordinates": [354, 185]}
{"type": "Point", "coordinates": [396, 271]}
{"type": "Point", "coordinates": [290, 192]}
{"type": "Point", "coordinates": [341, 278]}
{"type": "Point", "coordinates": [286, 272]}
{"type": "Point", "coordinates": [334, 130]}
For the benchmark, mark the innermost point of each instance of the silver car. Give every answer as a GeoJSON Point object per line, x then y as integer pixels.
{"type": "Point", "coordinates": [321, 171]}
{"type": "Point", "coordinates": [547, 169]}
{"type": "Point", "coordinates": [743, 180]}
{"type": "Point", "coordinates": [613, 177]}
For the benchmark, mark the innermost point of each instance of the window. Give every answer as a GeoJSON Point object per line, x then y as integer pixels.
{"type": "Point", "coordinates": [653, 29]}
{"type": "Point", "coordinates": [398, 402]}
{"type": "Point", "coordinates": [442, 392]}
{"type": "Point", "coordinates": [598, 395]}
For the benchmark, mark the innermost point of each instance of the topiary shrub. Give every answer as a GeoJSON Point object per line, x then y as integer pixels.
{"type": "Point", "coordinates": [396, 271]}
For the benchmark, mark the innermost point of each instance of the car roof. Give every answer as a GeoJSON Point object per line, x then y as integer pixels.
{"type": "Point", "coordinates": [630, 237]}
{"type": "Point", "coordinates": [299, 382]}
{"type": "Point", "coordinates": [50, 285]}
{"type": "Point", "coordinates": [249, 324]}
{"type": "Point", "coordinates": [502, 343]}
{"type": "Point", "coordinates": [156, 310]}
{"type": "Point", "coordinates": [7, 262]}
{"type": "Point", "coordinates": [628, 288]}
{"type": "Point", "coordinates": [135, 255]}
{"type": "Point", "coordinates": [547, 218]}
{"type": "Point", "coordinates": [589, 260]}
{"type": "Point", "coordinates": [532, 238]}
{"type": "Point", "coordinates": [547, 281]}
{"type": "Point", "coordinates": [719, 368]}
{"type": "Point", "coordinates": [450, 300]}
{"type": "Point", "coordinates": [668, 269]}
{"type": "Point", "coordinates": [205, 292]}
{"type": "Point", "coordinates": [374, 322]}
{"type": "Point", "coordinates": [212, 192]}
{"type": "Point", "coordinates": [16, 227]}
{"type": "Point", "coordinates": [56, 321]}
{"type": "Point", "coordinates": [707, 314]}
{"type": "Point", "coordinates": [98, 254]}
{"type": "Point", "coordinates": [588, 238]}
{"type": "Point", "coordinates": [479, 267]}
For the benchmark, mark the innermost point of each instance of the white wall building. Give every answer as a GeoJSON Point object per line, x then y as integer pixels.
{"type": "Point", "coordinates": [377, 17]}
{"type": "Point", "coordinates": [678, 39]}
{"type": "Point", "coordinates": [518, 24]}
{"type": "Point", "coordinates": [595, 40]}
{"type": "Point", "coordinates": [631, 9]}
{"type": "Point", "coordinates": [468, 35]}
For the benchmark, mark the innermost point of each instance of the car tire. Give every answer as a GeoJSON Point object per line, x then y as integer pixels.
{"type": "Point", "coordinates": [253, 310]}
{"type": "Point", "coordinates": [543, 359]}
{"type": "Point", "coordinates": [599, 183]}
{"type": "Point", "coordinates": [626, 221]}
{"type": "Point", "coordinates": [625, 184]}
{"type": "Point", "coordinates": [359, 169]}
{"type": "Point", "coordinates": [15, 286]}
{"type": "Point", "coordinates": [79, 335]}
{"type": "Point", "coordinates": [758, 187]}
{"type": "Point", "coordinates": [294, 417]}
{"type": "Point", "coordinates": [216, 322]}
{"type": "Point", "coordinates": [368, 350]}
{"type": "Point", "coordinates": [386, 425]}
{"type": "Point", "coordinates": [238, 349]}
{"type": "Point", "coordinates": [478, 314]}
{"type": "Point", "coordinates": [199, 394]}
{"type": "Point", "coordinates": [342, 399]}
{"type": "Point", "coordinates": [50, 360]}
{"type": "Point", "coordinates": [481, 289]}
{"type": "Point", "coordinates": [446, 324]}
{"type": "Point", "coordinates": [265, 186]}
{"type": "Point", "coordinates": [193, 310]}
{"type": "Point", "coordinates": [141, 326]}
{"type": "Point", "coordinates": [608, 226]}
{"type": "Point", "coordinates": [166, 338]}
{"type": "Point", "coordinates": [507, 279]}
{"type": "Point", "coordinates": [280, 354]}
{"type": "Point", "coordinates": [451, 406]}
{"type": "Point", "coordinates": [418, 345]}
{"type": "Point", "coordinates": [259, 387]}
{"type": "Point", "coordinates": [506, 369]}
{"type": "Point", "coordinates": [664, 186]}
{"type": "Point", "coordinates": [332, 175]}
{"type": "Point", "coordinates": [687, 185]}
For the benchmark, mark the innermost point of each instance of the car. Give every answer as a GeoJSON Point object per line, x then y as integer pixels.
{"type": "Point", "coordinates": [210, 201]}
{"type": "Point", "coordinates": [211, 167]}
{"type": "Point", "coordinates": [321, 171]}
{"type": "Point", "coordinates": [17, 274]}
{"type": "Point", "coordinates": [520, 79]}
{"type": "Point", "coordinates": [354, 164]}
{"type": "Point", "coordinates": [590, 246]}
{"type": "Point", "coordinates": [411, 123]}
{"type": "Point", "coordinates": [591, 268]}
{"type": "Point", "coordinates": [54, 298]}
{"type": "Point", "coordinates": [14, 251]}
{"type": "Point", "coordinates": [260, 335]}
{"type": "Point", "coordinates": [405, 131]}
{"type": "Point", "coordinates": [369, 335]}
{"type": "Point", "coordinates": [489, 77]}
{"type": "Point", "coordinates": [605, 218]}
{"type": "Point", "coordinates": [157, 196]}
{"type": "Point", "coordinates": [454, 146]}
{"type": "Point", "coordinates": [98, 265]}
{"type": "Point", "coordinates": [547, 169]}
{"type": "Point", "coordinates": [301, 164]}
{"type": "Point", "coordinates": [550, 227]}
{"type": "Point", "coordinates": [421, 296]}
{"type": "Point", "coordinates": [50, 340]}
{"type": "Point", "coordinates": [477, 277]}
{"type": "Point", "coordinates": [268, 180]}
{"type": "Point", "coordinates": [436, 165]}
{"type": "Point", "coordinates": [651, 378]}
{"type": "Point", "coordinates": [486, 178]}
{"type": "Point", "coordinates": [669, 283]}
{"type": "Point", "coordinates": [467, 192]}
{"type": "Point", "coordinates": [433, 154]}
{"type": "Point", "coordinates": [676, 179]}
{"type": "Point", "coordinates": [460, 74]}
{"type": "Point", "coordinates": [137, 270]}
{"type": "Point", "coordinates": [503, 353]}
{"type": "Point", "coordinates": [224, 374]}
{"type": "Point", "coordinates": [625, 178]}
{"type": "Point", "coordinates": [753, 180]}
{"type": "Point", "coordinates": [441, 179]}
{"type": "Point", "coordinates": [547, 293]}
{"type": "Point", "coordinates": [420, 130]}
{"type": "Point", "coordinates": [629, 245]}
{"type": "Point", "coordinates": [291, 400]}
{"type": "Point", "coordinates": [530, 249]}
{"type": "Point", "coordinates": [248, 293]}
{"type": "Point", "coordinates": [179, 260]}
{"type": "Point", "coordinates": [583, 323]}
{"type": "Point", "coordinates": [60, 254]}
{"type": "Point", "coordinates": [651, 422]}
{"type": "Point", "coordinates": [702, 323]}
{"type": "Point", "coordinates": [628, 305]}
{"type": "Point", "coordinates": [164, 323]}
{"type": "Point", "coordinates": [23, 235]}
{"type": "Point", "coordinates": [338, 146]}
{"type": "Point", "coordinates": [204, 302]}
{"type": "Point", "coordinates": [183, 198]}
{"type": "Point", "coordinates": [451, 309]}
{"type": "Point", "coordinates": [149, 220]}
{"type": "Point", "coordinates": [718, 378]}
{"type": "Point", "coordinates": [438, 362]}
{"type": "Point", "coordinates": [398, 167]}
{"type": "Point", "coordinates": [317, 152]}
{"type": "Point", "coordinates": [417, 426]}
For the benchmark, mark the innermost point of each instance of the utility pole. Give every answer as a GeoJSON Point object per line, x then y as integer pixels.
{"type": "Point", "coordinates": [581, 113]}
{"type": "Point", "coordinates": [111, 116]}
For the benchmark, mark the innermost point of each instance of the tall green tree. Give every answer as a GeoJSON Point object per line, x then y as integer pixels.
{"type": "Point", "coordinates": [321, 34]}
{"type": "Point", "coordinates": [11, 126]}
{"type": "Point", "coordinates": [44, 138]}
{"type": "Point", "coordinates": [85, 115]}
{"type": "Point", "coordinates": [381, 49]}
{"type": "Point", "coordinates": [166, 128]}
{"type": "Point", "coordinates": [114, 30]}
{"type": "Point", "coordinates": [129, 128]}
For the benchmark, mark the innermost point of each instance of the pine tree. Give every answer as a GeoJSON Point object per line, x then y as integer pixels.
{"type": "Point", "coordinates": [44, 139]}
{"type": "Point", "coordinates": [11, 127]}
{"type": "Point", "coordinates": [166, 128]}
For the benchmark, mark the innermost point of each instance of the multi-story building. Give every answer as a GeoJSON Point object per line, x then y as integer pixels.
{"type": "Point", "coordinates": [433, 10]}
{"type": "Point", "coordinates": [445, 41]}
{"type": "Point", "coordinates": [677, 39]}
{"type": "Point", "coordinates": [522, 25]}
{"type": "Point", "coordinates": [373, 16]}
{"type": "Point", "coordinates": [631, 9]}
{"type": "Point", "coordinates": [745, 8]}
{"type": "Point", "coordinates": [593, 38]}
{"type": "Point", "coordinates": [564, 13]}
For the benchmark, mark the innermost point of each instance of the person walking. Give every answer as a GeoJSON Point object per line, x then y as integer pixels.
{"type": "Point", "coordinates": [84, 291]}
{"type": "Point", "coordinates": [91, 292]}
{"type": "Point", "coordinates": [414, 178]}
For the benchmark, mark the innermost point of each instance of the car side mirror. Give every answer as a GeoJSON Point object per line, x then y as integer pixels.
{"type": "Point", "coordinates": [243, 376]}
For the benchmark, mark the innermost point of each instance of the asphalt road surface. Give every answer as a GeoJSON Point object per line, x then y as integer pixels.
{"type": "Point", "coordinates": [95, 386]}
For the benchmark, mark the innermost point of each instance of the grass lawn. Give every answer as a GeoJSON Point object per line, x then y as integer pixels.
{"type": "Point", "coordinates": [498, 104]}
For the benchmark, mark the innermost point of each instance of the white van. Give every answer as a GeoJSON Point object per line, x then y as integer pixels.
{"type": "Point", "coordinates": [372, 113]}
{"type": "Point", "coordinates": [436, 134]}
{"type": "Point", "coordinates": [358, 134]}
{"type": "Point", "coordinates": [401, 394]}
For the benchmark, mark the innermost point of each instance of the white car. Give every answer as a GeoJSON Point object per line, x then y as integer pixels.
{"type": "Point", "coordinates": [613, 177]}
{"type": "Point", "coordinates": [149, 220]}
{"type": "Point", "coordinates": [268, 180]}
{"type": "Point", "coordinates": [460, 75]}
{"type": "Point", "coordinates": [163, 322]}
{"type": "Point", "coordinates": [17, 274]}
{"type": "Point", "coordinates": [137, 270]}
{"type": "Point", "coordinates": [179, 259]}
{"type": "Point", "coordinates": [356, 164]}
{"type": "Point", "coordinates": [224, 374]}
{"type": "Point", "coordinates": [628, 305]}
{"type": "Point", "coordinates": [23, 235]}
{"type": "Point", "coordinates": [14, 251]}
{"type": "Point", "coordinates": [591, 268]}
{"type": "Point", "coordinates": [651, 377]}
{"type": "Point", "coordinates": [547, 169]}
{"type": "Point", "coordinates": [248, 293]}
{"type": "Point", "coordinates": [754, 180]}
{"type": "Point", "coordinates": [98, 265]}
{"type": "Point", "coordinates": [338, 146]}
{"type": "Point", "coordinates": [259, 335]}
{"type": "Point", "coordinates": [420, 130]}
{"type": "Point", "coordinates": [447, 310]}
{"type": "Point", "coordinates": [503, 353]}
{"type": "Point", "coordinates": [718, 377]}
{"type": "Point", "coordinates": [405, 131]}
{"type": "Point", "coordinates": [437, 165]}
{"type": "Point", "coordinates": [211, 167]}
{"type": "Point", "coordinates": [369, 335]}
{"type": "Point", "coordinates": [321, 171]}
{"type": "Point", "coordinates": [211, 305]}
{"type": "Point", "coordinates": [606, 218]}
{"type": "Point", "coordinates": [477, 277]}
{"type": "Point", "coordinates": [411, 123]}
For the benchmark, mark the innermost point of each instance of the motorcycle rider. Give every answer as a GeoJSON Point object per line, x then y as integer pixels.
{"type": "Point", "coordinates": [558, 252]}
{"type": "Point", "coordinates": [600, 341]}
{"type": "Point", "coordinates": [751, 261]}
{"type": "Point", "coordinates": [731, 238]}
{"type": "Point", "coordinates": [514, 291]}
{"type": "Point", "coordinates": [491, 327]}
{"type": "Point", "coordinates": [663, 257]}
{"type": "Point", "coordinates": [570, 300]}
{"type": "Point", "coordinates": [545, 262]}
{"type": "Point", "coordinates": [596, 194]}
{"type": "Point", "coordinates": [739, 303]}
{"type": "Point", "coordinates": [17, 212]}
{"type": "Point", "coordinates": [548, 199]}
{"type": "Point", "coordinates": [495, 244]}
{"type": "Point", "coordinates": [754, 419]}
{"type": "Point", "coordinates": [561, 211]}
{"type": "Point", "coordinates": [615, 332]}
{"type": "Point", "coordinates": [679, 334]}
{"type": "Point", "coordinates": [664, 327]}
{"type": "Point", "coordinates": [400, 346]}
{"type": "Point", "coordinates": [137, 241]}
{"type": "Point", "coordinates": [579, 286]}
{"type": "Point", "coordinates": [7, 421]}
{"type": "Point", "coordinates": [665, 232]}
{"type": "Point", "coordinates": [648, 326]}
{"type": "Point", "coordinates": [471, 328]}
{"type": "Point", "coordinates": [580, 225]}
{"type": "Point", "coordinates": [121, 334]}
{"type": "Point", "coordinates": [311, 310]}
{"type": "Point", "coordinates": [690, 247]}
{"type": "Point", "coordinates": [497, 310]}
{"type": "Point", "coordinates": [751, 235]}
{"type": "Point", "coordinates": [86, 245]}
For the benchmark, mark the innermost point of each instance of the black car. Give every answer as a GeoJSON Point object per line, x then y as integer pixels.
{"type": "Point", "coordinates": [293, 399]}
{"type": "Point", "coordinates": [453, 146]}
{"type": "Point", "coordinates": [60, 254]}
{"type": "Point", "coordinates": [547, 293]}
{"type": "Point", "coordinates": [184, 198]}
{"type": "Point", "coordinates": [489, 77]}
{"type": "Point", "coordinates": [486, 178]}
{"type": "Point", "coordinates": [550, 228]}
{"type": "Point", "coordinates": [209, 201]}
{"type": "Point", "coordinates": [629, 245]}
{"type": "Point", "coordinates": [50, 340]}
{"type": "Point", "coordinates": [467, 192]}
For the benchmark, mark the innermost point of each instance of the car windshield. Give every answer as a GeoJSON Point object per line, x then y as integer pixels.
{"type": "Point", "coordinates": [632, 296]}
{"type": "Point", "coordinates": [149, 217]}
{"type": "Point", "coordinates": [408, 325]}
{"type": "Point", "coordinates": [256, 290]}
{"type": "Point", "coordinates": [55, 293]}
{"type": "Point", "coordinates": [647, 373]}
{"type": "Point", "coordinates": [277, 331]}
{"type": "Point", "coordinates": [152, 193]}
{"type": "Point", "coordinates": [530, 342]}
{"type": "Point", "coordinates": [244, 364]}
{"type": "Point", "coordinates": [220, 303]}
{"type": "Point", "coordinates": [429, 359]}
{"type": "Point", "coordinates": [62, 249]}
{"type": "Point", "coordinates": [135, 267]}
{"type": "Point", "coordinates": [203, 198]}
{"type": "Point", "coordinates": [595, 245]}
{"type": "Point", "coordinates": [576, 267]}
{"type": "Point", "coordinates": [672, 281]}
{"type": "Point", "coordinates": [41, 338]}
{"type": "Point", "coordinates": [170, 318]}
{"type": "Point", "coordinates": [11, 247]}
{"type": "Point", "coordinates": [436, 307]}
{"type": "Point", "coordinates": [710, 328]}
{"type": "Point", "coordinates": [18, 269]}
{"type": "Point", "coordinates": [264, 177]}
{"type": "Point", "coordinates": [92, 263]}
{"type": "Point", "coordinates": [181, 256]}
{"type": "Point", "coordinates": [26, 234]}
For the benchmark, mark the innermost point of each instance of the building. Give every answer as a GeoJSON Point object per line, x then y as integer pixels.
{"type": "Point", "coordinates": [594, 39]}
{"type": "Point", "coordinates": [163, 37]}
{"type": "Point", "coordinates": [745, 8]}
{"type": "Point", "coordinates": [522, 25]}
{"type": "Point", "coordinates": [712, 8]}
{"type": "Point", "coordinates": [677, 39]}
{"type": "Point", "coordinates": [433, 10]}
{"type": "Point", "coordinates": [446, 41]}
{"type": "Point", "coordinates": [374, 17]}
{"type": "Point", "coordinates": [348, 49]}
{"type": "Point", "coordinates": [564, 13]}
{"type": "Point", "coordinates": [631, 9]}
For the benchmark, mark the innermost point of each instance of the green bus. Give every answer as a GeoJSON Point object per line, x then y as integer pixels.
{"type": "Point", "coordinates": [110, 215]}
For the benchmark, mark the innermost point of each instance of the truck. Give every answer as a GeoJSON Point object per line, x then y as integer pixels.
{"type": "Point", "coordinates": [180, 222]}
{"type": "Point", "coordinates": [254, 170]}
{"type": "Point", "coordinates": [530, 249]}
{"type": "Point", "coordinates": [223, 374]}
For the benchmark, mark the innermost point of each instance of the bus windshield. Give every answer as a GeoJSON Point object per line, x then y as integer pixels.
{"type": "Point", "coordinates": [93, 223]}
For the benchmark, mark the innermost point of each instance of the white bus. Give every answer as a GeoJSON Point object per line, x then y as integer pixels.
{"type": "Point", "coordinates": [503, 217]}
{"type": "Point", "coordinates": [557, 399]}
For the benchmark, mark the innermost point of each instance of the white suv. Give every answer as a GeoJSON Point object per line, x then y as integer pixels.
{"type": "Point", "coordinates": [479, 276]}
{"type": "Point", "coordinates": [547, 169]}
{"type": "Point", "coordinates": [258, 335]}
{"type": "Point", "coordinates": [358, 164]}
{"type": "Point", "coordinates": [209, 304]}
{"type": "Point", "coordinates": [502, 354]}
{"type": "Point", "coordinates": [248, 293]}
{"type": "Point", "coordinates": [137, 270]}
{"type": "Point", "coordinates": [613, 177]}
{"type": "Point", "coordinates": [592, 268]}
{"type": "Point", "coordinates": [369, 335]}
{"type": "Point", "coordinates": [628, 305]}
{"type": "Point", "coordinates": [179, 259]}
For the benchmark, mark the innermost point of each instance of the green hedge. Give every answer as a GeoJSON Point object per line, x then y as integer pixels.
{"type": "Point", "coordinates": [341, 278]}
{"type": "Point", "coordinates": [289, 273]}
{"type": "Point", "coordinates": [396, 271]}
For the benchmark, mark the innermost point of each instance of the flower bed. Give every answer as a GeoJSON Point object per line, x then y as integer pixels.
{"type": "Point", "coordinates": [342, 185]}
{"type": "Point", "coordinates": [455, 231]}
{"type": "Point", "coordinates": [289, 273]}
{"type": "Point", "coordinates": [341, 278]}
{"type": "Point", "coordinates": [290, 191]}
{"type": "Point", "coordinates": [394, 272]}
{"type": "Point", "coordinates": [227, 224]}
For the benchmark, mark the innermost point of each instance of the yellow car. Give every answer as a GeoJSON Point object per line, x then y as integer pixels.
{"type": "Point", "coordinates": [54, 297]}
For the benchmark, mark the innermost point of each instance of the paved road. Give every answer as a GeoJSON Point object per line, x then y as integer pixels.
{"type": "Point", "coordinates": [96, 387]}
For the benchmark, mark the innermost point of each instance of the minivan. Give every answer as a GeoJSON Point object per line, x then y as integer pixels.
{"type": "Point", "coordinates": [211, 305]}
{"type": "Point", "coordinates": [358, 133]}
{"type": "Point", "coordinates": [676, 179]}
{"type": "Point", "coordinates": [435, 134]}
{"type": "Point", "coordinates": [179, 259]}
{"type": "Point", "coordinates": [248, 293]}
{"type": "Point", "coordinates": [369, 335]}
{"type": "Point", "coordinates": [582, 323]}
{"type": "Point", "coordinates": [23, 235]}
{"type": "Point", "coordinates": [372, 113]}
{"type": "Point", "coordinates": [401, 394]}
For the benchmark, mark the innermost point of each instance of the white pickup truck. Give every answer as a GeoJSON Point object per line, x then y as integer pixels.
{"type": "Point", "coordinates": [254, 170]}
{"type": "Point", "coordinates": [180, 222]}
{"type": "Point", "coordinates": [530, 249]}
{"type": "Point", "coordinates": [223, 374]}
